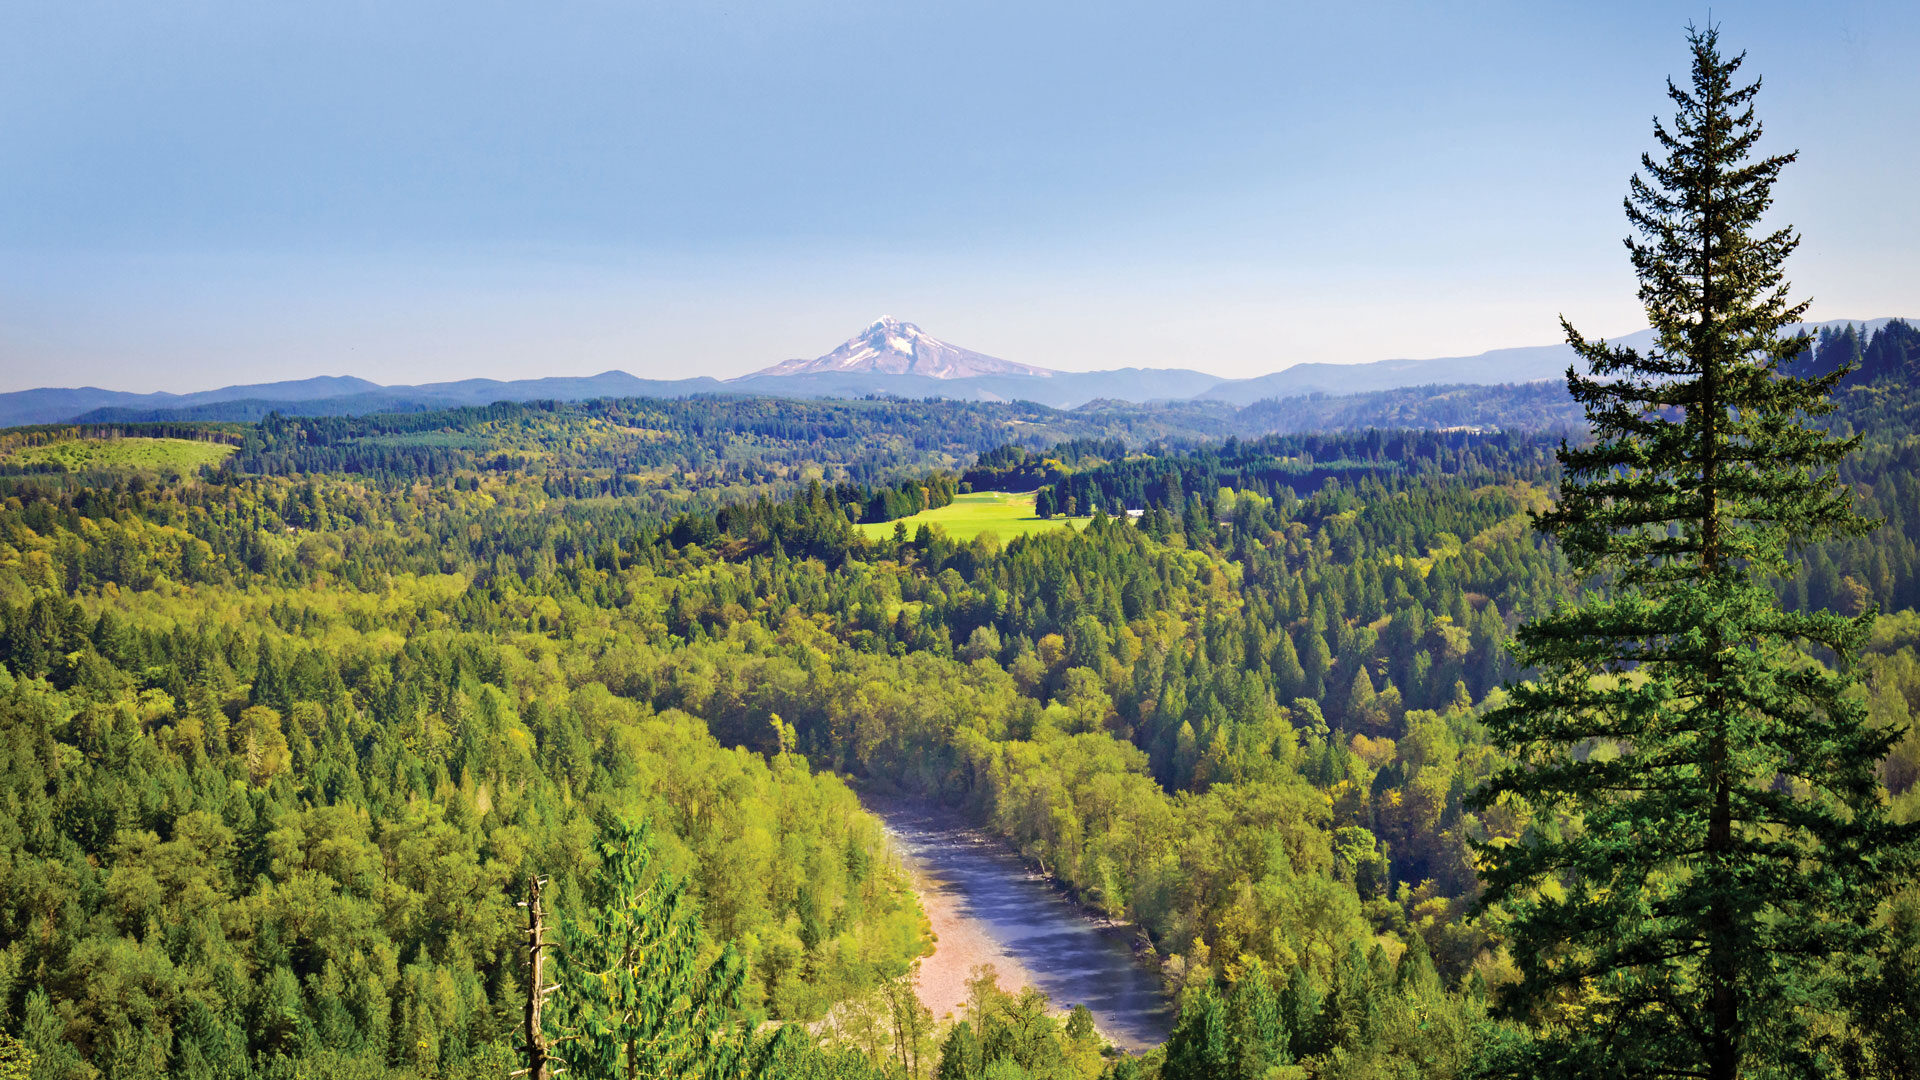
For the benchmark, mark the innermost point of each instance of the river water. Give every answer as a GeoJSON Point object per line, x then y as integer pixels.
{"type": "Point", "coordinates": [986, 907]}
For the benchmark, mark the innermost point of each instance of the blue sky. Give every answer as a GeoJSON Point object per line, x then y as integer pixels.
{"type": "Point", "coordinates": [204, 192]}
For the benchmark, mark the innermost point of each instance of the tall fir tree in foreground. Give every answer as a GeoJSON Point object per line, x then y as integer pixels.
{"type": "Point", "coordinates": [643, 994]}
{"type": "Point", "coordinates": [1726, 846]}
{"type": "Point", "coordinates": [637, 995]}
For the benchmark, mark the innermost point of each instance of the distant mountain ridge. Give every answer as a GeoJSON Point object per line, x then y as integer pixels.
{"type": "Point", "coordinates": [253, 402]}
{"type": "Point", "coordinates": [1528, 363]}
{"type": "Point", "coordinates": [50, 405]}
{"type": "Point", "coordinates": [889, 357]}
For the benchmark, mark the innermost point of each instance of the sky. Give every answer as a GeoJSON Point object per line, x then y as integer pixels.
{"type": "Point", "coordinates": [205, 192]}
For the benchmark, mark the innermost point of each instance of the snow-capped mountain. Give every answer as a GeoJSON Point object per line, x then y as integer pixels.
{"type": "Point", "coordinates": [892, 347]}
{"type": "Point", "coordinates": [890, 357]}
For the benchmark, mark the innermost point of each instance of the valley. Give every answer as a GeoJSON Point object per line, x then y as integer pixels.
{"type": "Point", "coordinates": [284, 735]}
{"type": "Point", "coordinates": [1277, 593]}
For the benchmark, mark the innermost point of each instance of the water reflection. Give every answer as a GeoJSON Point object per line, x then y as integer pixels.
{"type": "Point", "coordinates": [1075, 959]}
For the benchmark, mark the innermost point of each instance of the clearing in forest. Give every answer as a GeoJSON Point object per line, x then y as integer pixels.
{"type": "Point", "coordinates": [1007, 514]}
{"type": "Point", "coordinates": [86, 455]}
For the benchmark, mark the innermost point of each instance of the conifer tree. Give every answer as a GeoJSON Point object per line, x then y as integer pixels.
{"type": "Point", "coordinates": [1300, 1015]}
{"type": "Point", "coordinates": [1315, 658]}
{"type": "Point", "coordinates": [1254, 1024]}
{"type": "Point", "coordinates": [1360, 699]}
{"type": "Point", "coordinates": [1726, 844]}
{"type": "Point", "coordinates": [1888, 1000]}
{"type": "Point", "coordinates": [959, 1055]}
{"type": "Point", "coordinates": [1200, 1046]}
{"type": "Point", "coordinates": [16, 1061]}
{"type": "Point", "coordinates": [638, 997]}
{"type": "Point", "coordinates": [1288, 676]}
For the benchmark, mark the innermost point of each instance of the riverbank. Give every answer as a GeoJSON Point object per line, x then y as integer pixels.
{"type": "Point", "coordinates": [985, 906]}
{"type": "Point", "coordinates": [961, 945]}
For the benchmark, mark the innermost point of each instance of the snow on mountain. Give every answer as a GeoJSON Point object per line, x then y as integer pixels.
{"type": "Point", "coordinates": [892, 347]}
{"type": "Point", "coordinates": [888, 357]}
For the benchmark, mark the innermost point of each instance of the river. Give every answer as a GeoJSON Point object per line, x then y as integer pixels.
{"type": "Point", "coordinates": [986, 907]}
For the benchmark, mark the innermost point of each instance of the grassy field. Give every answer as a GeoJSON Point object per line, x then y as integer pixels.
{"type": "Point", "coordinates": [83, 455]}
{"type": "Point", "coordinates": [997, 512]}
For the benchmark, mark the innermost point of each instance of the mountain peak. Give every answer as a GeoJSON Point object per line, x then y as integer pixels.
{"type": "Point", "coordinates": [889, 346]}
{"type": "Point", "coordinates": [887, 334]}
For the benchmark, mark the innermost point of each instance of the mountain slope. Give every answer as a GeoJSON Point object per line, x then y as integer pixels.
{"type": "Point", "coordinates": [55, 404]}
{"type": "Point", "coordinates": [1061, 390]}
{"type": "Point", "coordinates": [891, 347]}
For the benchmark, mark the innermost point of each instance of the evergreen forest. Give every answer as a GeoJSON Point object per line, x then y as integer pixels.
{"type": "Point", "coordinates": [293, 725]}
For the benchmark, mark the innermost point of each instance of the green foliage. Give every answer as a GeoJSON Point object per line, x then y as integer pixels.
{"type": "Point", "coordinates": [1370, 1019]}
{"type": "Point", "coordinates": [1255, 1026]}
{"type": "Point", "coordinates": [959, 1054]}
{"type": "Point", "coordinates": [790, 1054]}
{"type": "Point", "coordinates": [16, 1061]}
{"type": "Point", "coordinates": [1201, 1046]}
{"type": "Point", "coordinates": [354, 694]}
{"type": "Point", "coordinates": [205, 886]}
{"type": "Point", "coordinates": [135, 452]}
{"type": "Point", "coordinates": [1017, 1038]}
{"type": "Point", "coordinates": [279, 741]}
{"type": "Point", "coordinates": [1885, 1000]}
{"type": "Point", "coordinates": [638, 996]}
{"type": "Point", "coordinates": [1718, 837]}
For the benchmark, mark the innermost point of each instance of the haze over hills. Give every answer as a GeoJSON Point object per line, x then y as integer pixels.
{"type": "Point", "coordinates": [53, 405]}
{"type": "Point", "coordinates": [889, 357]}
{"type": "Point", "coordinates": [1528, 363]}
{"type": "Point", "coordinates": [306, 397]}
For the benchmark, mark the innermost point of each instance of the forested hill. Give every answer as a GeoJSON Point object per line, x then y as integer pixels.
{"type": "Point", "coordinates": [283, 737]}
{"type": "Point", "coordinates": [1523, 405]}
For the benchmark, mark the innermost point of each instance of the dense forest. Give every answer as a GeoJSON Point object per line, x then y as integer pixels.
{"type": "Point", "coordinates": [283, 739]}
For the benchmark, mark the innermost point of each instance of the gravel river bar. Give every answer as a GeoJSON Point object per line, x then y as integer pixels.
{"type": "Point", "coordinates": [987, 907]}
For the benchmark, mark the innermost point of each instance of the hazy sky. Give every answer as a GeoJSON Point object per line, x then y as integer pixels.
{"type": "Point", "coordinates": [199, 192]}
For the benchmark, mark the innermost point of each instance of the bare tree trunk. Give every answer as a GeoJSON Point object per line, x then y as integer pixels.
{"type": "Point", "coordinates": [1723, 1060]}
{"type": "Point", "coordinates": [539, 1055]}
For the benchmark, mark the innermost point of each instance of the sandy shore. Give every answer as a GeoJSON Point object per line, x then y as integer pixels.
{"type": "Point", "coordinates": [985, 906]}
{"type": "Point", "coordinates": [961, 944]}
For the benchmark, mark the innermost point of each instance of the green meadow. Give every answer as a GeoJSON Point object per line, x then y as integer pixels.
{"type": "Point", "coordinates": [86, 455]}
{"type": "Point", "coordinates": [1004, 513]}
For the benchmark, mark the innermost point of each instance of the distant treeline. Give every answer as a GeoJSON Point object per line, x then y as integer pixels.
{"type": "Point", "coordinates": [1299, 464]}
{"type": "Point", "coordinates": [43, 434]}
{"type": "Point", "coordinates": [626, 435]}
{"type": "Point", "coordinates": [1891, 352]}
{"type": "Point", "coordinates": [1536, 406]}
